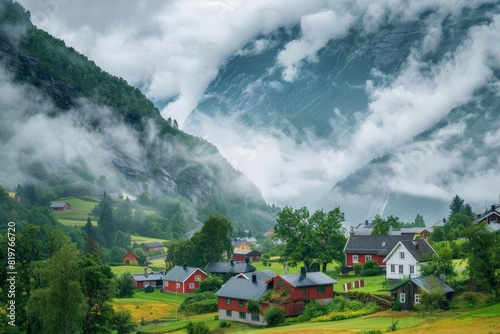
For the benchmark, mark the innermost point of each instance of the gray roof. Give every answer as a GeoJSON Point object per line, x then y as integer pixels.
{"type": "Point", "coordinates": [262, 275]}
{"type": "Point", "coordinates": [363, 231]}
{"type": "Point", "coordinates": [418, 248]}
{"type": "Point", "coordinates": [425, 282]}
{"type": "Point", "coordinates": [179, 273]}
{"type": "Point", "coordinates": [373, 244]}
{"type": "Point", "coordinates": [59, 205]}
{"type": "Point", "coordinates": [246, 252]}
{"type": "Point", "coordinates": [244, 289]}
{"type": "Point", "coordinates": [415, 229]}
{"type": "Point", "coordinates": [151, 244]}
{"type": "Point", "coordinates": [311, 279]}
{"type": "Point", "coordinates": [227, 267]}
{"type": "Point", "coordinates": [149, 277]}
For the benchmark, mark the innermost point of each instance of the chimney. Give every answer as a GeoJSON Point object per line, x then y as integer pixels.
{"type": "Point", "coordinates": [247, 260]}
{"type": "Point", "coordinates": [254, 278]}
{"type": "Point", "coordinates": [232, 262]}
{"type": "Point", "coordinates": [351, 230]}
{"type": "Point", "coordinates": [493, 207]}
{"type": "Point", "coordinates": [184, 267]}
{"type": "Point", "coordinates": [444, 220]}
{"type": "Point", "coordinates": [366, 222]}
{"type": "Point", "coordinates": [303, 272]}
{"type": "Point", "coordinates": [163, 271]}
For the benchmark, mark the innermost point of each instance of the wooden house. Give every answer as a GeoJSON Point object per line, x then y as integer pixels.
{"type": "Point", "coordinates": [251, 255]}
{"type": "Point", "coordinates": [361, 248]}
{"type": "Point", "coordinates": [60, 206]}
{"type": "Point", "coordinates": [143, 280]}
{"type": "Point", "coordinates": [152, 246]}
{"type": "Point", "coordinates": [409, 291]}
{"type": "Point", "coordinates": [234, 268]}
{"type": "Point", "coordinates": [130, 257]}
{"type": "Point", "coordinates": [405, 258]}
{"type": "Point", "coordinates": [183, 279]}
{"type": "Point", "coordinates": [240, 244]}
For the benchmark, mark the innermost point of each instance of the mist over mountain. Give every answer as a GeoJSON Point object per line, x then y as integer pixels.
{"type": "Point", "coordinates": [393, 110]}
{"type": "Point", "coordinates": [65, 124]}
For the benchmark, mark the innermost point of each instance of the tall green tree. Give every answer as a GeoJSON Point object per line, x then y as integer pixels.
{"type": "Point", "coordinates": [311, 239]}
{"type": "Point", "coordinates": [99, 288]}
{"type": "Point", "coordinates": [456, 205]}
{"type": "Point", "coordinates": [439, 265]}
{"type": "Point", "coordinates": [419, 221]}
{"type": "Point", "coordinates": [106, 222]}
{"type": "Point", "coordinates": [381, 227]}
{"type": "Point", "coordinates": [213, 240]}
{"type": "Point", "coordinates": [483, 255]}
{"type": "Point", "coordinates": [59, 303]}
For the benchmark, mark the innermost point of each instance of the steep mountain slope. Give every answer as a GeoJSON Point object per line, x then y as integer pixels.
{"type": "Point", "coordinates": [401, 115]}
{"type": "Point", "coordinates": [66, 124]}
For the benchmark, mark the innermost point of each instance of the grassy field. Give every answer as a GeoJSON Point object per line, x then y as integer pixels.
{"type": "Point", "coordinates": [119, 270]}
{"type": "Point", "coordinates": [140, 239]}
{"type": "Point", "coordinates": [77, 216]}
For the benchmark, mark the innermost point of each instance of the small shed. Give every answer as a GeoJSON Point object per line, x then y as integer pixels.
{"type": "Point", "coordinates": [251, 255]}
{"type": "Point", "coordinates": [60, 206]}
{"type": "Point", "coordinates": [409, 291]}
{"type": "Point", "coordinates": [152, 246]}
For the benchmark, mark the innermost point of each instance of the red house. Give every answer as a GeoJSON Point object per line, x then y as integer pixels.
{"type": "Point", "coordinates": [241, 255]}
{"type": "Point", "coordinates": [302, 288]}
{"type": "Point", "coordinates": [130, 257]}
{"type": "Point", "coordinates": [361, 248]}
{"type": "Point", "coordinates": [143, 280]}
{"type": "Point", "coordinates": [182, 279]}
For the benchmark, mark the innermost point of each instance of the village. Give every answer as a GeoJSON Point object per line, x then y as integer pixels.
{"type": "Point", "coordinates": [248, 294]}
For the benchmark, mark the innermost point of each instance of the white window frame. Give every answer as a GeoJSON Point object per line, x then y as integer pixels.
{"type": "Point", "coordinates": [368, 257]}
{"type": "Point", "coordinates": [145, 284]}
{"type": "Point", "coordinates": [412, 269]}
{"type": "Point", "coordinates": [402, 297]}
{"type": "Point", "coordinates": [355, 259]}
{"type": "Point", "coordinates": [178, 286]}
{"type": "Point", "coordinates": [393, 268]}
{"type": "Point", "coordinates": [166, 283]}
{"type": "Point", "coordinates": [401, 255]}
{"type": "Point", "coordinates": [191, 285]}
{"type": "Point", "coordinates": [417, 298]}
{"type": "Point", "coordinates": [197, 278]}
{"type": "Point", "coordinates": [401, 269]}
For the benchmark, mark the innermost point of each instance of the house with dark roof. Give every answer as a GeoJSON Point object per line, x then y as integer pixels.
{"type": "Point", "coordinates": [240, 244]}
{"type": "Point", "coordinates": [409, 291]}
{"type": "Point", "coordinates": [490, 218]}
{"type": "Point", "coordinates": [234, 268]}
{"type": "Point", "coordinates": [144, 280]}
{"type": "Point", "coordinates": [420, 232]}
{"type": "Point", "coordinates": [251, 255]}
{"type": "Point", "coordinates": [233, 297]}
{"type": "Point", "coordinates": [361, 248]}
{"type": "Point", "coordinates": [302, 288]}
{"type": "Point", "coordinates": [183, 279]}
{"type": "Point", "coordinates": [293, 291]}
{"type": "Point", "coordinates": [60, 206]}
{"type": "Point", "coordinates": [262, 275]}
{"type": "Point", "coordinates": [405, 258]}
{"type": "Point", "coordinates": [152, 246]}
{"type": "Point", "coordinates": [365, 228]}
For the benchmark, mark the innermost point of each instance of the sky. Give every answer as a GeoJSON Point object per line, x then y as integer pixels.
{"type": "Point", "coordinates": [172, 50]}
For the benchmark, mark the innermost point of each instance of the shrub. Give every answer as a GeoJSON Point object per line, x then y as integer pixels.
{"type": "Point", "coordinates": [253, 306]}
{"type": "Point", "coordinates": [357, 267]}
{"type": "Point", "coordinates": [313, 309]}
{"type": "Point", "coordinates": [199, 303]}
{"type": "Point", "coordinates": [197, 328]}
{"type": "Point", "coordinates": [275, 315]}
{"type": "Point", "coordinates": [224, 324]}
{"type": "Point", "coordinates": [370, 268]}
{"type": "Point", "coordinates": [211, 283]}
{"type": "Point", "coordinates": [470, 297]}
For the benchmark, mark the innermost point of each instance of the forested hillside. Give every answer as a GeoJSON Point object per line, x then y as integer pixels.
{"type": "Point", "coordinates": [73, 129]}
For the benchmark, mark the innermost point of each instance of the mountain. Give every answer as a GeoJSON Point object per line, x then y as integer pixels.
{"type": "Point", "coordinates": [67, 125]}
{"type": "Point", "coordinates": [397, 114]}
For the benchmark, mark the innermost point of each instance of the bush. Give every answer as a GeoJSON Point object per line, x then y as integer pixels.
{"type": "Point", "coordinates": [313, 309]}
{"type": "Point", "coordinates": [357, 267]}
{"type": "Point", "coordinates": [211, 283]}
{"type": "Point", "coordinates": [275, 315]}
{"type": "Point", "coordinates": [199, 303]}
{"type": "Point", "coordinates": [197, 328]}
{"type": "Point", "coordinates": [224, 324]}
{"type": "Point", "coordinates": [253, 306]}
{"type": "Point", "coordinates": [470, 297]}
{"type": "Point", "coordinates": [370, 268]}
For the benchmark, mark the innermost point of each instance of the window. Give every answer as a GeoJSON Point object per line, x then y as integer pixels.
{"type": "Point", "coordinates": [393, 268]}
{"type": "Point", "coordinates": [412, 269]}
{"type": "Point", "coordinates": [400, 268]}
{"type": "Point", "coordinates": [321, 288]}
{"type": "Point", "coordinates": [197, 278]}
{"type": "Point", "coordinates": [255, 317]}
{"type": "Point", "coordinates": [229, 313]}
{"type": "Point", "coordinates": [240, 302]}
{"type": "Point", "coordinates": [417, 298]}
{"type": "Point", "coordinates": [228, 301]}
{"type": "Point", "coordinates": [191, 285]}
{"type": "Point", "coordinates": [166, 283]}
{"type": "Point", "coordinates": [178, 285]}
{"type": "Point", "coordinates": [402, 255]}
{"type": "Point", "coordinates": [368, 257]}
{"type": "Point", "coordinates": [242, 315]}
{"type": "Point", "coordinates": [354, 259]}
{"type": "Point", "coordinates": [402, 298]}
{"type": "Point", "coordinates": [281, 282]}
{"type": "Point", "coordinates": [145, 284]}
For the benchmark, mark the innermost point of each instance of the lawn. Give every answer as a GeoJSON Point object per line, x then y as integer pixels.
{"type": "Point", "coordinates": [140, 239]}
{"type": "Point", "coordinates": [119, 270]}
{"type": "Point", "coordinates": [145, 309]}
{"type": "Point", "coordinates": [78, 214]}
{"type": "Point", "coordinates": [373, 284]}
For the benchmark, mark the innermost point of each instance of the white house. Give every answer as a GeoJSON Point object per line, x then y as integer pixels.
{"type": "Point", "coordinates": [404, 259]}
